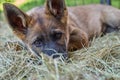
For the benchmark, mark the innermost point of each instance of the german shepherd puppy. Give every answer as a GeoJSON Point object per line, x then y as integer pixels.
{"type": "Point", "coordinates": [56, 29]}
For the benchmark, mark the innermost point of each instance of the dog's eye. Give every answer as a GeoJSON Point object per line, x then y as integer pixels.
{"type": "Point", "coordinates": [57, 35]}
{"type": "Point", "coordinates": [38, 42]}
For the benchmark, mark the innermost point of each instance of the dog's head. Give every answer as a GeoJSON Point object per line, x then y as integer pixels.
{"type": "Point", "coordinates": [44, 30]}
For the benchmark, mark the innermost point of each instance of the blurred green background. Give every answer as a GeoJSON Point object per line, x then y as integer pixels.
{"type": "Point", "coordinates": [28, 4]}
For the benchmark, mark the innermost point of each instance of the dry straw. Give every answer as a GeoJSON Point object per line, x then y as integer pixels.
{"type": "Point", "coordinates": [101, 61]}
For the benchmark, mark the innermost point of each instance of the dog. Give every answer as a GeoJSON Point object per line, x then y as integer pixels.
{"type": "Point", "coordinates": [56, 29]}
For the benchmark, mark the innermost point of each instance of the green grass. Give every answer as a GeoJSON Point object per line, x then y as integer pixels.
{"type": "Point", "coordinates": [81, 2]}
{"type": "Point", "coordinates": [116, 3]}
{"type": "Point", "coordinates": [31, 3]}
{"type": "Point", "coordinates": [28, 4]}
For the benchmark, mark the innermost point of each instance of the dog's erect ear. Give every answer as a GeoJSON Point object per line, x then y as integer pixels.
{"type": "Point", "coordinates": [17, 20]}
{"type": "Point", "coordinates": [57, 8]}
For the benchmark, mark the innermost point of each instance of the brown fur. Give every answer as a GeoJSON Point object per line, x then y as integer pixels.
{"type": "Point", "coordinates": [77, 24]}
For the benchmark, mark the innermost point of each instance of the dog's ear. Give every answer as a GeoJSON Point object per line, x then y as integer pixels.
{"type": "Point", "coordinates": [57, 8]}
{"type": "Point", "coordinates": [17, 19]}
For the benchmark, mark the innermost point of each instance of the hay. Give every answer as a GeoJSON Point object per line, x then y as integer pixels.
{"type": "Point", "coordinates": [101, 61]}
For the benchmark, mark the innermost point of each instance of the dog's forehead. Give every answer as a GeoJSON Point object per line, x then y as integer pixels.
{"type": "Point", "coordinates": [44, 24]}
{"type": "Point", "coordinates": [43, 21]}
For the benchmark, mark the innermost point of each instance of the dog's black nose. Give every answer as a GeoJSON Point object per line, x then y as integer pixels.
{"type": "Point", "coordinates": [49, 52]}
{"type": "Point", "coordinates": [55, 54]}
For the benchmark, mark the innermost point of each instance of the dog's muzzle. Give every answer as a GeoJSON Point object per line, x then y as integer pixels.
{"type": "Point", "coordinates": [54, 54]}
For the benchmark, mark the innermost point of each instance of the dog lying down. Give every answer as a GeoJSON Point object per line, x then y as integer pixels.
{"type": "Point", "coordinates": [56, 29]}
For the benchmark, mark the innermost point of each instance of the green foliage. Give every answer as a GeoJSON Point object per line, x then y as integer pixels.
{"type": "Point", "coordinates": [28, 4]}
{"type": "Point", "coordinates": [31, 3]}
{"type": "Point", "coordinates": [116, 3]}
{"type": "Point", "coordinates": [2, 1]}
{"type": "Point", "coordinates": [81, 2]}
